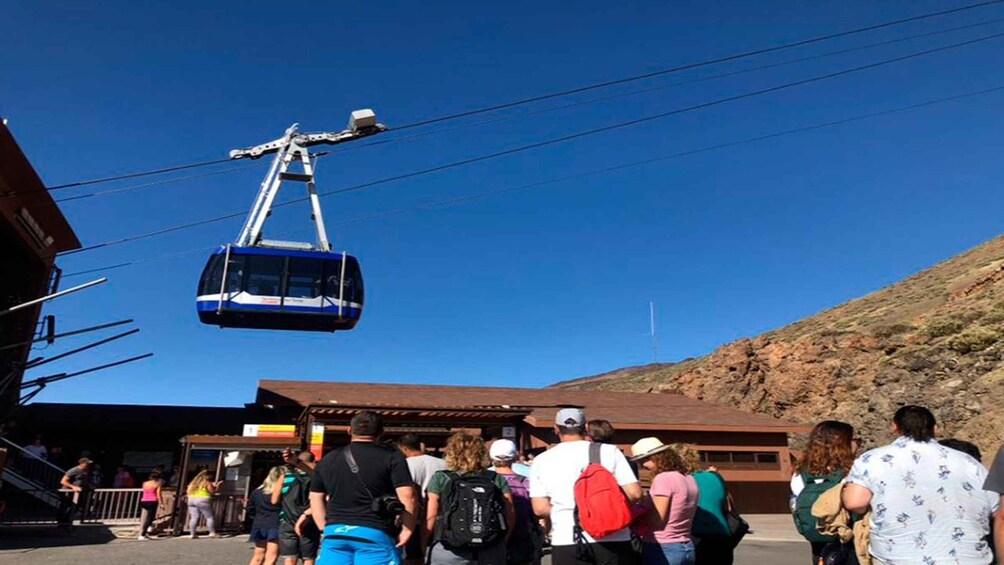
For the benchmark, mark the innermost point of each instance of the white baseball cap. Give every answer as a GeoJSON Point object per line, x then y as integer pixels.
{"type": "Point", "coordinates": [503, 449]}
{"type": "Point", "coordinates": [570, 417]}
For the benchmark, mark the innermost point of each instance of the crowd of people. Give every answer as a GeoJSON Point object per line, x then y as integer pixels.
{"type": "Point", "coordinates": [917, 500]}
{"type": "Point", "coordinates": [484, 503]}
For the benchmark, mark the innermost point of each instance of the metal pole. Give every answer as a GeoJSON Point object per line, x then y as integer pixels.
{"type": "Point", "coordinates": [62, 376]}
{"type": "Point", "coordinates": [176, 515]}
{"type": "Point", "coordinates": [341, 284]}
{"type": "Point", "coordinates": [67, 334]}
{"type": "Point", "coordinates": [102, 280]}
{"type": "Point", "coordinates": [223, 281]}
{"type": "Point", "coordinates": [79, 349]}
{"type": "Point", "coordinates": [655, 339]}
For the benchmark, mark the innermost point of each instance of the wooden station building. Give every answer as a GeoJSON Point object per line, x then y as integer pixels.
{"type": "Point", "coordinates": [750, 450]}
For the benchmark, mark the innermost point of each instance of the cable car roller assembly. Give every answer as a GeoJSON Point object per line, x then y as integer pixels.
{"type": "Point", "coordinates": [285, 285]}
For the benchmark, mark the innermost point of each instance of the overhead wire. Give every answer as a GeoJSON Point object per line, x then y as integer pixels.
{"type": "Point", "coordinates": [492, 121]}
{"type": "Point", "coordinates": [691, 66]}
{"type": "Point", "coordinates": [589, 87]}
{"type": "Point", "coordinates": [585, 174]}
{"type": "Point", "coordinates": [552, 141]}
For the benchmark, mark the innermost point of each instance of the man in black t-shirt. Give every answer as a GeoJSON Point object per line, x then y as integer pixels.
{"type": "Point", "coordinates": [351, 498]}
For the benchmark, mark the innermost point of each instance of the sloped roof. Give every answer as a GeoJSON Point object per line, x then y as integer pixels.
{"type": "Point", "coordinates": [19, 180]}
{"type": "Point", "coordinates": [630, 410]}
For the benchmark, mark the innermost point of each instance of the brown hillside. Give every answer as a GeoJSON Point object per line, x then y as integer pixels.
{"type": "Point", "coordinates": [936, 339]}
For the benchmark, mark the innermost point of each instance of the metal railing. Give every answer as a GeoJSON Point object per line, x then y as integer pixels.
{"type": "Point", "coordinates": [108, 505]}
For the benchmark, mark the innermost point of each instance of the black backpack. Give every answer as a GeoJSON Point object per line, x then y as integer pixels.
{"type": "Point", "coordinates": [473, 511]}
{"type": "Point", "coordinates": [296, 500]}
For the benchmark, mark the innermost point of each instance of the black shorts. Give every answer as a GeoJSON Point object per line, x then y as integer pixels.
{"type": "Point", "coordinates": [299, 547]}
{"type": "Point", "coordinates": [602, 553]}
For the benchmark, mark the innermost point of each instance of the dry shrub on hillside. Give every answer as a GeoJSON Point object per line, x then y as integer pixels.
{"type": "Point", "coordinates": [974, 339]}
{"type": "Point", "coordinates": [940, 327]}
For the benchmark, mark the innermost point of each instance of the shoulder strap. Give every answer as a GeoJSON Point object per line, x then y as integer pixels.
{"type": "Point", "coordinates": [350, 459]}
{"type": "Point", "coordinates": [594, 453]}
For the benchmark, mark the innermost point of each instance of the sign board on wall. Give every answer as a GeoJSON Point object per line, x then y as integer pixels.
{"type": "Point", "coordinates": [317, 440]}
{"type": "Point", "coordinates": [509, 432]}
{"type": "Point", "coordinates": [269, 430]}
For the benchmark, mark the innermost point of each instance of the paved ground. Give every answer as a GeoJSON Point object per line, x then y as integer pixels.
{"type": "Point", "coordinates": [98, 545]}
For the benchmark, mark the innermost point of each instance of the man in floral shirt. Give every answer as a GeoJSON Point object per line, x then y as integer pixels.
{"type": "Point", "coordinates": [928, 503]}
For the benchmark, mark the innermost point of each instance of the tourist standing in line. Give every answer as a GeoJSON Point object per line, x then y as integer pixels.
{"type": "Point", "coordinates": [37, 450]}
{"type": "Point", "coordinates": [264, 515]}
{"type": "Point", "coordinates": [552, 493]}
{"type": "Point", "coordinates": [200, 496]}
{"type": "Point", "coordinates": [363, 498]}
{"type": "Point", "coordinates": [422, 467]}
{"type": "Point", "coordinates": [299, 538]}
{"type": "Point", "coordinates": [149, 502]}
{"type": "Point", "coordinates": [995, 484]}
{"type": "Point", "coordinates": [711, 533]}
{"type": "Point", "coordinates": [967, 447]}
{"type": "Point", "coordinates": [602, 431]}
{"type": "Point", "coordinates": [927, 501]}
{"type": "Point", "coordinates": [825, 462]}
{"type": "Point", "coordinates": [468, 491]}
{"type": "Point", "coordinates": [525, 540]}
{"type": "Point", "coordinates": [670, 506]}
{"type": "Point", "coordinates": [123, 478]}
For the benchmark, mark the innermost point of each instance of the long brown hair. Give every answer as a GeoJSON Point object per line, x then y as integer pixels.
{"type": "Point", "coordinates": [466, 453]}
{"type": "Point", "coordinates": [830, 448]}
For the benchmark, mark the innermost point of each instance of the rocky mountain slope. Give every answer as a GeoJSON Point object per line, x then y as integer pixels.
{"type": "Point", "coordinates": [935, 339]}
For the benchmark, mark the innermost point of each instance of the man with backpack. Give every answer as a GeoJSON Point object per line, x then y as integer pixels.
{"type": "Point", "coordinates": [586, 490]}
{"type": "Point", "coordinates": [299, 537]}
{"type": "Point", "coordinates": [525, 541]}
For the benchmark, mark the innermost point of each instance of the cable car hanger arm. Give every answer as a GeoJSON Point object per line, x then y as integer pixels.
{"type": "Point", "coordinates": [362, 123]}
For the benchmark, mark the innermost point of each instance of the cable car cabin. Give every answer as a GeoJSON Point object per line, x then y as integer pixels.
{"type": "Point", "coordinates": [280, 289]}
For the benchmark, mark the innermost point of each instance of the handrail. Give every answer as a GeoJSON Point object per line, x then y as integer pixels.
{"type": "Point", "coordinates": [30, 454]}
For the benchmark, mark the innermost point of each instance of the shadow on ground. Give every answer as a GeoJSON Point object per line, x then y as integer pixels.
{"type": "Point", "coordinates": [30, 538]}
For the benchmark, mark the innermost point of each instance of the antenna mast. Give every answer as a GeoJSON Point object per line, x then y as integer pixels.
{"type": "Point", "coordinates": [655, 338]}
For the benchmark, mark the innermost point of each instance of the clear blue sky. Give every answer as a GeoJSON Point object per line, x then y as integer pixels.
{"type": "Point", "coordinates": [520, 289]}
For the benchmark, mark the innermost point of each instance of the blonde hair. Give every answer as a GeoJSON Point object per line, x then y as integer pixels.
{"type": "Point", "coordinates": [200, 481]}
{"type": "Point", "coordinates": [274, 477]}
{"type": "Point", "coordinates": [690, 458]}
{"type": "Point", "coordinates": [466, 453]}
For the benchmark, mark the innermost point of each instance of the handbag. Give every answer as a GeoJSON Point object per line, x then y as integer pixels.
{"type": "Point", "coordinates": [738, 526]}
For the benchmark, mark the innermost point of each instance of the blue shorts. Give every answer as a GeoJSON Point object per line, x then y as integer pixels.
{"type": "Point", "coordinates": [357, 545]}
{"type": "Point", "coordinates": [261, 535]}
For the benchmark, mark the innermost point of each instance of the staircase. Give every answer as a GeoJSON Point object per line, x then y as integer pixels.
{"type": "Point", "coordinates": [29, 487]}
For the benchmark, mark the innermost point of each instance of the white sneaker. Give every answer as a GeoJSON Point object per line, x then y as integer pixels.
{"type": "Point", "coordinates": [143, 538]}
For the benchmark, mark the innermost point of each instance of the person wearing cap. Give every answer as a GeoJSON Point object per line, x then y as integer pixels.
{"type": "Point", "coordinates": [552, 493]}
{"type": "Point", "coordinates": [78, 481]}
{"type": "Point", "coordinates": [670, 506]}
{"type": "Point", "coordinates": [524, 544]}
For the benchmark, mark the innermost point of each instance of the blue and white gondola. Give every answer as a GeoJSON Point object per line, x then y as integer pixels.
{"type": "Point", "coordinates": [280, 289]}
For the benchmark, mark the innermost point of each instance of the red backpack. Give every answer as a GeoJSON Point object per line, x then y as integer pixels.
{"type": "Point", "coordinates": [600, 505]}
